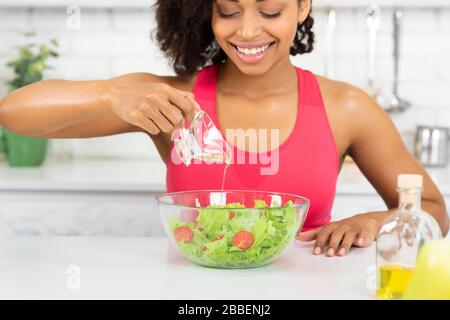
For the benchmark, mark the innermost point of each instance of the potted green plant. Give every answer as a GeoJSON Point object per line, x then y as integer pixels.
{"type": "Point", "coordinates": [28, 67]}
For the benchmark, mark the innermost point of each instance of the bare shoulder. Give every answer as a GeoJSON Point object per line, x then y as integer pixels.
{"type": "Point", "coordinates": [346, 97]}
{"type": "Point", "coordinates": [349, 100]}
{"type": "Point", "coordinates": [352, 112]}
{"type": "Point", "coordinates": [185, 83]}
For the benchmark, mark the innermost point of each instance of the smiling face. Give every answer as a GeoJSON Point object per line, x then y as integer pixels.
{"type": "Point", "coordinates": [257, 34]}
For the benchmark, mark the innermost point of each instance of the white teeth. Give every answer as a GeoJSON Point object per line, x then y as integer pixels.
{"type": "Point", "coordinates": [253, 51]}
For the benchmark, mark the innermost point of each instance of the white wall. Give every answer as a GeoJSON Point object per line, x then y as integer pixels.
{"type": "Point", "coordinates": [114, 42]}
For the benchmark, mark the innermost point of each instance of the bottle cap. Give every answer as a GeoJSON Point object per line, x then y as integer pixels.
{"type": "Point", "coordinates": [410, 181]}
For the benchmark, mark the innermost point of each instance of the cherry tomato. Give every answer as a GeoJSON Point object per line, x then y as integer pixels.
{"type": "Point", "coordinates": [243, 240]}
{"type": "Point", "coordinates": [184, 234]}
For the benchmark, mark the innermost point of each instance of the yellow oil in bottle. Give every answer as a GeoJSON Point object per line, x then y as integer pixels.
{"type": "Point", "coordinates": [393, 281]}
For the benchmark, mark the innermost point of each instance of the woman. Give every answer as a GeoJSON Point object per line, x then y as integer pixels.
{"type": "Point", "coordinates": [232, 57]}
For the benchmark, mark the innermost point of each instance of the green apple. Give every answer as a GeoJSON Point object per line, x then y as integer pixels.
{"type": "Point", "coordinates": [431, 277]}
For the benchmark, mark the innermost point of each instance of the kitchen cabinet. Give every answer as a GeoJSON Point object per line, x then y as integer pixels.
{"type": "Point", "coordinates": [79, 213]}
{"type": "Point", "coordinates": [92, 198]}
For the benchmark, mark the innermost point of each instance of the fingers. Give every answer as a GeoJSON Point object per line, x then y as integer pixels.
{"type": "Point", "coordinates": [335, 239]}
{"type": "Point", "coordinates": [322, 239]}
{"type": "Point", "coordinates": [364, 239]}
{"type": "Point", "coordinates": [347, 243]}
{"type": "Point", "coordinates": [149, 126]}
{"type": "Point", "coordinates": [167, 118]}
{"type": "Point", "coordinates": [191, 98]}
{"type": "Point", "coordinates": [159, 119]}
{"type": "Point", "coordinates": [340, 240]}
{"type": "Point", "coordinates": [185, 101]}
{"type": "Point", "coordinates": [173, 114]}
{"type": "Point", "coordinates": [145, 123]}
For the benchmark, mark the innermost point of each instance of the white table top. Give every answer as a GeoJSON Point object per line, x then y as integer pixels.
{"type": "Point", "coordinates": [150, 268]}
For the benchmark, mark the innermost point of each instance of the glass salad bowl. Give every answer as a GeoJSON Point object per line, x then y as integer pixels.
{"type": "Point", "coordinates": [232, 229]}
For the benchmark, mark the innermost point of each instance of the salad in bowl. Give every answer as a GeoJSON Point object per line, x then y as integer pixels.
{"type": "Point", "coordinates": [232, 229]}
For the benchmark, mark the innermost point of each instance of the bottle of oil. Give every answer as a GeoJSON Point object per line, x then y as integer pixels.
{"type": "Point", "coordinates": [401, 237]}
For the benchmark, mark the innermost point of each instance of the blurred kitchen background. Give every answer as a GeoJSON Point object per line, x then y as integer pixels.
{"type": "Point", "coordinates": [105, 186]}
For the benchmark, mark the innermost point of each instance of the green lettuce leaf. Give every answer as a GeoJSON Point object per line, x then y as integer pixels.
{"type": "Point", "coordinates": [212, 244]}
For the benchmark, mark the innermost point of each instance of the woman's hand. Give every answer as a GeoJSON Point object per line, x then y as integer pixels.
{"type": "Point", "coordinates": [336, 238]}
{"type": "Point", "coordinates": [155, 107]}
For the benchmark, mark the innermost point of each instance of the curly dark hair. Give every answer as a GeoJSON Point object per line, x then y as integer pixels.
{"type": "Point", "coordinates": [185, 36]}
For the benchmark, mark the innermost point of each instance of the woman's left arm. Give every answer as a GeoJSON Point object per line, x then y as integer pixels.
{"type": "Point", "coordinates": [381, 155]}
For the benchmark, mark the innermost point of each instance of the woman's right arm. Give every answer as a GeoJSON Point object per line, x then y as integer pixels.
{"type": "Point", "coordinates": [80, 109]}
